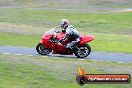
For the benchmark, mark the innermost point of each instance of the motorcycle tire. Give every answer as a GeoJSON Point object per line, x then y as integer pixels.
{"type": "Point", "coordinates": [41, 50]}
{"type": "Point", "coordinates": [79, 48]}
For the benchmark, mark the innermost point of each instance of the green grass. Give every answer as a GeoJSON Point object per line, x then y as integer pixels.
{"type": "Point", "coordinates": [106, 22]}
{"type": "Point", "coordinates": [14, 39]}
{"type": "Point", "coordinates": [52, 72]}
{"type": "Point", "coordinates": [112, 43]}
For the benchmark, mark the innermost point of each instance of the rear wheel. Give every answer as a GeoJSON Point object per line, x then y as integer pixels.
{"type": "Point", "coordinates": [42, 50]}
{"type": "Point", "coordinates": [83, 51]}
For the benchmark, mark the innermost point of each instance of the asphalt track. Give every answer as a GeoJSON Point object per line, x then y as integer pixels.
{"type": "Point", "coordinates": [98, 56]}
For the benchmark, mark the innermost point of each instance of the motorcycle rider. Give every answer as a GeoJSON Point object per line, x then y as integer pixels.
{"type": "Point", "coordinates": [70, 32]}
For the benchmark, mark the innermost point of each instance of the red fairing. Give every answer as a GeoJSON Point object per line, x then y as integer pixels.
{"type": "Point", "coordinates": [45, 40]}
{"type": "Point", "coordinates": [62, 48]}
{"type": "Point", "coordinates": [54, 46]}
{"type": "Point", "coordinates": [85, 39]}
{"type": "Point", "coordinates": [60, 36]}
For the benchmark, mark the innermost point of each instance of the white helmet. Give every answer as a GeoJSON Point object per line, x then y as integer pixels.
{"type": "Point", "coordinates": [64, 23]}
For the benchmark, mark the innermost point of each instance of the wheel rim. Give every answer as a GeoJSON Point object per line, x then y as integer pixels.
{"type": "Point", "coordinates": [83, 51]}
{"type": "Point", "coordinates": [43, 50]}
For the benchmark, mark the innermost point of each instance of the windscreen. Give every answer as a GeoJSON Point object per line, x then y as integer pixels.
{"type": "Point", "coordinates": [51, 31]}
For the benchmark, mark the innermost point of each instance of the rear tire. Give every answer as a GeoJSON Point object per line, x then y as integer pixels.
{"type": "Point", "coordinates": [42, 50]}
{"type": "Point", "coordinates": [83, 51]}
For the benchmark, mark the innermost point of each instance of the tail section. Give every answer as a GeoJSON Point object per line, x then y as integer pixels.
{"type": "Point", "coordinates": [86, 39]}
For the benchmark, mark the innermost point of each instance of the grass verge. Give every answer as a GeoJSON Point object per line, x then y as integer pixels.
{"type": "Point", "coordinates": [53, 72]}
{"type": "Point", "coordinates": [106, 22]}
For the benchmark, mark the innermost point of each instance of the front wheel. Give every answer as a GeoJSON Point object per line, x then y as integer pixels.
{"type": "Point", "coordinates": [83, 51]}
{"type": "Point", "coordinates": [42, 50]}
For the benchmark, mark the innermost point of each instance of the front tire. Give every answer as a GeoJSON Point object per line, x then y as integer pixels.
{"type": "Point", "coordinates": [83, 51]}
{"type": "Point", "coordinates": [42, 50]}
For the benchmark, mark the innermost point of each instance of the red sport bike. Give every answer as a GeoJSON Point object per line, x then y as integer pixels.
{"type": "Point", "coordinates": [49, 43]}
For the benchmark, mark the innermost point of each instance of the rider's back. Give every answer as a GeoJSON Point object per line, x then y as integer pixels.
{"type": "Point", "coordinates": [72, 32]}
